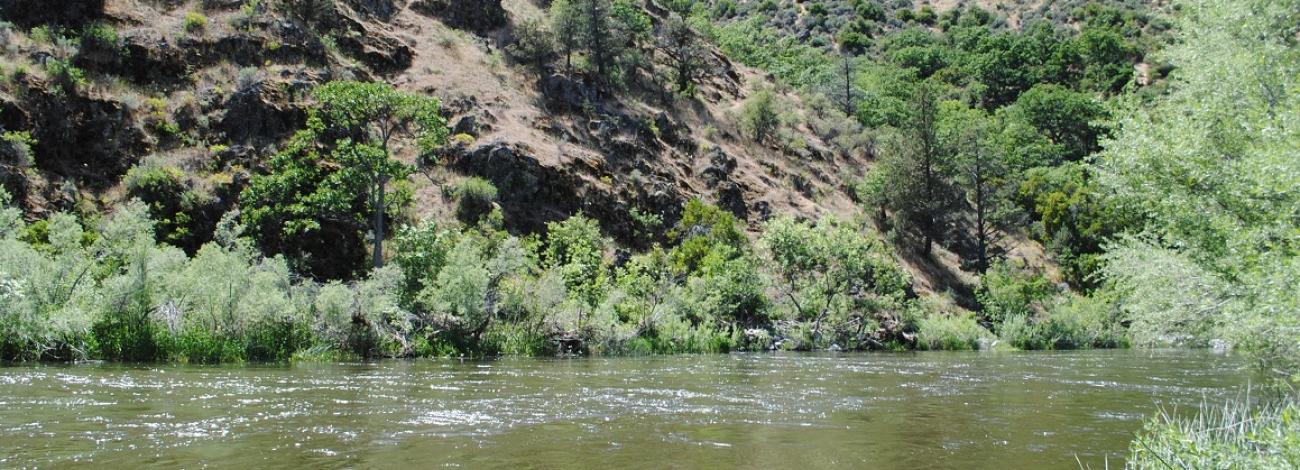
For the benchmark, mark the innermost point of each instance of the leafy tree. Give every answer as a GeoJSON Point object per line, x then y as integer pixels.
{"type": "Point", "coordinates": [830, 272]}
{"type": "Point", "coordinates": [575, 247]}
{"type": "Point", "coordinates": [1066, 117]}
{"type": "Point", "coordinates": [1107, 58]}
{"type": "Point", "coordinates": [1211, 168]}
{"type": "Point", "coordinates": [336, 170]}
{"type": "Point", "coordinates": [1073, 217]}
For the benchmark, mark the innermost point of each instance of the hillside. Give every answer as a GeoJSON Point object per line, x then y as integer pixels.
{"type": "Point", "coordinates": [712, 174]}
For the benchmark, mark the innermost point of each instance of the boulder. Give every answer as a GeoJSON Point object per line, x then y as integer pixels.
{"type": "Point", "coordinates": [731, 198]}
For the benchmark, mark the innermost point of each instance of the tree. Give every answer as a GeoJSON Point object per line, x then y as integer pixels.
{"type": "Point", "coordinates": [685, 51]}
{"type": "Point", "coordinates": [1212, 169]}
{"type": "Point", "coordinates": [334, 174]}
{"type": "Point", "coordinates": [926, 155]}
{"type": "Point", "coordinates": [830, 272]}
{"type": "Point", "coordinates": [534, 44]}
{"type": "Point", "coordinates": [1107, 58]}
{"type": "Point", "coordinates": [594, 24]}
{"type": "Point", "coordinates": [372, 115]}
{"type": "Point", "coordinates": [980, 173]}
{"type": "Point", "coordinates": [568, 32]}
{"type": "Point", "coordinates": [1066, 117]}
{"type": "Point", "coordinates": [845, 92]}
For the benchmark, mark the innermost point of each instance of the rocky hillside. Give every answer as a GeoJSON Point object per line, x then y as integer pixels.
{"type": "Point", "coordinates": [209, 90]}
{"type": "Point", "coordinates": [216, 99]}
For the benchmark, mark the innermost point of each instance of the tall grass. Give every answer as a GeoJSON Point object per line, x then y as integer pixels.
{"type": "Point", "coordinates": [1233, 436]}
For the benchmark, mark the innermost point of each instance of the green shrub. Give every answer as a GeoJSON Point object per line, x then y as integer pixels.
{"type": "Point", "coordinates": [1231, 436]}
{"type": "Point", "coordinates": [66, 77]}
{"type": "Point", "coordinates": [100, 42]}
{"type": "Point", "coordinates": [475, 198]}
{"type": "Point", "coordinates": [173, 205]}
{"type": "Point", "coordinates": [195, 22]}
{"type": "Point", "coordinates": [1007, 291]}
{"type": "Point", "coordinates": [759, 117]}
{"type": "Point", "coordinates": [949, 331]}
{"type": "Point", "coordinates": [16, 148]}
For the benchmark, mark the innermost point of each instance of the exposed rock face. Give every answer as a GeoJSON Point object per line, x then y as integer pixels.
{"type": "Point", "coordinates": [92, 139]}
{"type": "Point", "coordinates": [563, 94]}
{"type": "Point", "coordinates": [71, 13]}
{"type": "Point", "coordinates": [379, 50]}
{"type": "Point", "coordinates": [261, 114]}
{"type": "Point", "coordinates": [732, 199]}
{"type": "Point", "coordinates": [479, 16]}
{"type": "Point", "coordinates": [532, 194]}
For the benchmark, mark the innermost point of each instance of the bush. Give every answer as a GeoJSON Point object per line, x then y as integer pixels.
{"type": "Point", "coordinates": [195, 22]}
{"type": "Point", "coordinates": [950, 331]}
{"type": "Point", "coordinates": [177, 210]}
{"type": "Point", "coordinates": [759, 117]}
{"type": "Point", "coordinates": [475, 198]}
{"type": "Point", "coordinates": [100, 43]}
{"type": "Point", "coordinates": [1008, 291]}
{"type": "Point", "coordinates": [66, 77]}
{"type": "Point", "coordinates": [1231, 436]}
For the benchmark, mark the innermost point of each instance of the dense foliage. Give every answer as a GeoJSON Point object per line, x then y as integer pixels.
{"type": "Point", "coordinates": [1212, 173]}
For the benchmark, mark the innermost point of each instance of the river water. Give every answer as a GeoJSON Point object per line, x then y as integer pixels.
{"type": "Point", "coordinates": [936, 410]}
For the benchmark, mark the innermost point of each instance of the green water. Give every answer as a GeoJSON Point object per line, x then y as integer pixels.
{"type": "Point", "coordinates": [924, 410]}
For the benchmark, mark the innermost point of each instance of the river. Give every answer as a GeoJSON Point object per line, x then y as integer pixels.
{"type": "Point", "coordinates": [941, 410]}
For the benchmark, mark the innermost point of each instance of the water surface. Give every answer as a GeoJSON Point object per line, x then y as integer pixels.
{"type": "Point", "coordinates": [939, 410]}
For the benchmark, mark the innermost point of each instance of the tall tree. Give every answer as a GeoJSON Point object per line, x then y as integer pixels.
{"type": "Point", "coordinates": [595, 26]}
{"type": "Point", "coordinates": [928, 157]}
{"type": "Point", "coordinates": [980, 174]}
{"type": "Point", "coordinates": [372, 115]}
{"type": "Point", "coordinates": [685, 51]}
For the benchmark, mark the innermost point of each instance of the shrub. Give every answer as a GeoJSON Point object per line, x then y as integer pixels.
{"type": "Point", "coordinates": [949, 331]}
{"type": "Point", "coordinates": [16, 149]}
{"type": "Point", "coordinates": [100, 42]}
{"type": "Point", "coordinates": [475, 198]}
{"type": "Point", "coordinates": [1231, 436]}
{"type": "Point", "coordinates": [66, 77]}
{"type": "Point", "coordinates": [195, 22]}
{"type": "Point", "coordinates": [759, 117]}
{"type": "Point", "coordinates": [1008, 291]}
{"type": "Point", "coordinates": [174, 207]}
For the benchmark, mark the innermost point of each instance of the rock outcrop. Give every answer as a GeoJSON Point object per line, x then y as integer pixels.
{"type": "Point", "coordinates": [479, 16]}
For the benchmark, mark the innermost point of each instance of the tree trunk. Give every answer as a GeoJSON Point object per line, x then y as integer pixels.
{"type": "Point", "coordinates": [379, 222]}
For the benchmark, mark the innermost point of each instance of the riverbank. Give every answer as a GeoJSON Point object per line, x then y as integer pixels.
{"type": "Point", "coordinates": [115, 293]}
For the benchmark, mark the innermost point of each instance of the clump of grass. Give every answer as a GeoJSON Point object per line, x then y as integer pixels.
{"type": "Point", "coordinates": [1234, 435]}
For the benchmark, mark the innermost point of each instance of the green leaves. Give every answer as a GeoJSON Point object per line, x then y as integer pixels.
{"type": "Point", "coordinates": [1212, 171]}
{"type": "Point", "coordinates": [332, 176]}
